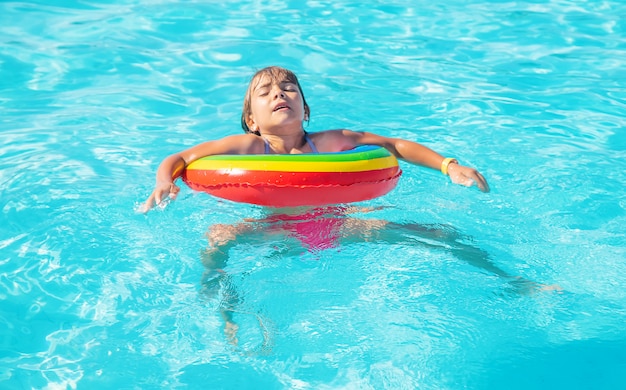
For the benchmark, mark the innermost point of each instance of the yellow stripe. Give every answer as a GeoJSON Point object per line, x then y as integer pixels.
{"type": "Point", "coordinates": [296, 166]}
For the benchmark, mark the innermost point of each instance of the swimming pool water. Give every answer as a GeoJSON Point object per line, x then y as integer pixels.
{"type": "Point", "coordinates": [96, 295]}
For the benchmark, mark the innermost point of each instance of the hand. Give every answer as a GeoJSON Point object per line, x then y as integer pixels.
{"type": "Point", "coordinates": [467, 176]}
{"type": "Point", "coordinates": [162, 191]}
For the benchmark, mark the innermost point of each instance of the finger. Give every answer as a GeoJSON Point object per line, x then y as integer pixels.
{"type": "Point", "coordinates": [474, 178]}
{"type": "Point", "coordinates": [148, 204]}
{"type": "Point", "coordinates": [468, 182]}
{"type": "Point", "coordinates": [174, 190]}
{"type": "Point", "coordinates": [482, 183]}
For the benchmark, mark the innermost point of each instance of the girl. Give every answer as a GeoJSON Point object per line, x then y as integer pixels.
{"type": "Point", "coordinates": [274, 110]}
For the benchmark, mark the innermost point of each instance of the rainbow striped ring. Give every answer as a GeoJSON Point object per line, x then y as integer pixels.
{"type": "Point", "coordinates": [290, 180]}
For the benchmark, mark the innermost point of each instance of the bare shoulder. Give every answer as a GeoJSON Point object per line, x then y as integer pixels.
{"type": "Point", "coordinates": [232, 144]}
{"type": "Point", "coordinates": [332, 134]}
{"type": "Point", "coordinates": [334, 140]}
{"type": "Point", "coordinates": [242, 144]}
{"type": "Point", "coordinates": [343, 139]}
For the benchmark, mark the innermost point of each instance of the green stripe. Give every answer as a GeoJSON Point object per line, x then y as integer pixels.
{"type": "Point", "coordinates": [366, 152]}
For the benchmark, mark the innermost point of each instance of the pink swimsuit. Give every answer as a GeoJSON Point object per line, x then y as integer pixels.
{"type": "Point", "coordinates": [317, 229]}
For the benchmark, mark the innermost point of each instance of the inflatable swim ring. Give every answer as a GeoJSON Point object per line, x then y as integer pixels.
{"type": "Point", "coordinates": [289, 180]}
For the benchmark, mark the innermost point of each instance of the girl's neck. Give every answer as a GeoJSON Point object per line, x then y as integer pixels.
{"type": "Point", "coordinates": [286, 144]}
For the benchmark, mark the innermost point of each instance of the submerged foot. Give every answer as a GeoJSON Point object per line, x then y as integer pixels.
{"type": "Point", "coordinates": [230, 330]}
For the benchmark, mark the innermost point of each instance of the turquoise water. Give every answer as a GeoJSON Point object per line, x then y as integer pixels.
{"type": "Point", "coordinates": [418, 293]}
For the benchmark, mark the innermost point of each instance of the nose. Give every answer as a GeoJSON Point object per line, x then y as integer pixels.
{"type": "Point", "coordinates": [278, 92]}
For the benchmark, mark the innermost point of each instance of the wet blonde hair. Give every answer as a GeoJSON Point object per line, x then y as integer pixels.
{"type": "Point", "coordinates": [276, 74]}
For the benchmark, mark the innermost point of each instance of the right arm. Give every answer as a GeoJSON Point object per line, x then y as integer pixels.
{"type": "Point", "coordinates": [172, 167]}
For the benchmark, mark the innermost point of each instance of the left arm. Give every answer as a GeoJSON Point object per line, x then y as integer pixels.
{"type": "Point", "coordinates": [412, 152]}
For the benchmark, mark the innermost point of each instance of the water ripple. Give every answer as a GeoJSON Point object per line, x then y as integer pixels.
{"type": "Point", "coordinates": [95, 94]}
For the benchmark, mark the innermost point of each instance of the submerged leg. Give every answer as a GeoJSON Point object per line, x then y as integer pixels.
{"type": "Point", "coordinates": [442, 237]}
{"type": "Point", "coordinates": [215, 280]}
{"type": "Point", "coordinates": [218, 283]}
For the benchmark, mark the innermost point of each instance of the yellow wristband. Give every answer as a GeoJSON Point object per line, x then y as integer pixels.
{"type": "Point", "coordinates": [444, 164]}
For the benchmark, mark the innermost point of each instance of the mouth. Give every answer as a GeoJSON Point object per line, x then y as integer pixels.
{"type": "Point", "coordinates": [281, 106]}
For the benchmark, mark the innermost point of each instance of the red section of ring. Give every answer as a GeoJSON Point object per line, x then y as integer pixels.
{"type": "Point", "coordinates": [304, 195]}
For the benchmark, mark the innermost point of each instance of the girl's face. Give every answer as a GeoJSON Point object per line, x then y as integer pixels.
{"type": "Point", "coordinates": [276, 105]}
